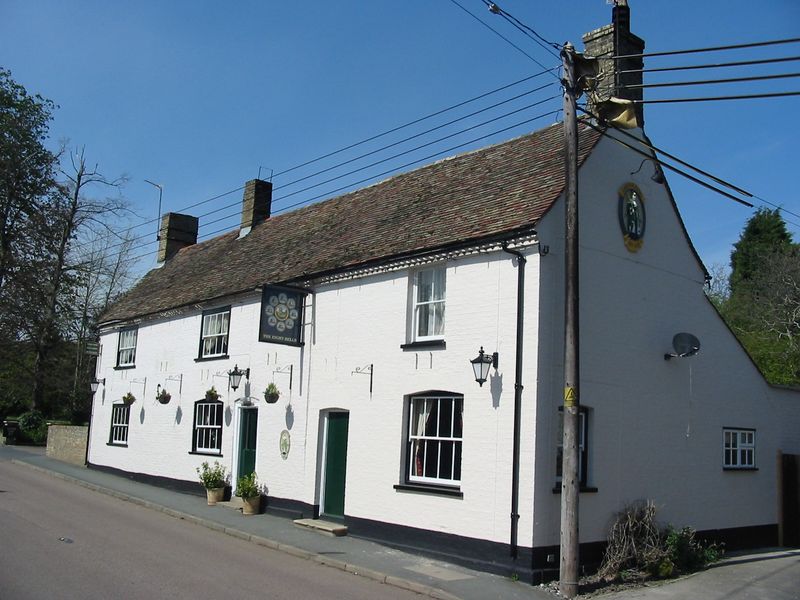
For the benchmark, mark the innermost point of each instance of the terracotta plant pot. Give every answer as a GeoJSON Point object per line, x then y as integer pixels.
{"type": "Point", "coordinates": [215, 495]}
{"type": "Point", "coordinates": [251, 506]}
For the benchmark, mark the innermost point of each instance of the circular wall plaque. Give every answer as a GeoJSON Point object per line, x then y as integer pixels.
{"type": "Point", "coordinates": [285, 443]}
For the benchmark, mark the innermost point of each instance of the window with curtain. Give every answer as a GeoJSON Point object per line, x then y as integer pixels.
{"type": "Point", "coordinates": [126, 348]}
{"type": "Point", "coordinates": [214, 333]}
{"type": "Point", "coordinates": [435, 439]}
{"type": "Point", "coordinates": [428, 304]}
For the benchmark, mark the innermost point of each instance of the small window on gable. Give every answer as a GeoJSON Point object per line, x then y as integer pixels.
{"type": "Point", "coordinates": [583, 453]}
{"type": "Point", "coordinates": [214, 333]}
{"type": "Point", "coordinates": [126, 348]}
{"type": "Point", "coordinates": [207, 431]}
{"type": "Point", "coordinates": [434, 439]}
{"type": "Point", "coordinates": [738, 448]}
{"type": "Point", "coordinates": [120, 417]}
{"type": "Point", "coordinates": [428, 304]}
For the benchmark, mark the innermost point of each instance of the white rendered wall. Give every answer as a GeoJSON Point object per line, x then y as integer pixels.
{"type": "Point", "coordinates": [160, 436]}
{"type": "Point", "coordinates": [349, 325]}
{"type": "Point", "coordinates": [655, 425]}
{"type": "Point", "coordinates": [363, 322]}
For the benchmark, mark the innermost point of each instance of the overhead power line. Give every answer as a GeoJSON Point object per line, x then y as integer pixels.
{"type": "Point", "coordinates": [500, 35]}
{"type": "Point", "coordinates": [649, 145]}
{"type": "Point", "coordinates": [525, 29]}
{"type": "Point", "coordinates": [343, 149]}
{"type": "Point", "coordinates": [635, 86]}
{"type": "Point", "coordinates": [417, 135]}
{"type": "Point", "coordinates": [719, 98]}
{"type": "Point", "coordinates": [738, 63]}
{"type": "Point", "coordinates": [711, 49]}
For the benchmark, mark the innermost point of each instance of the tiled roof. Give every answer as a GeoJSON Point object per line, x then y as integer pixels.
{"type": "Point", "coordinates": [500, 189]}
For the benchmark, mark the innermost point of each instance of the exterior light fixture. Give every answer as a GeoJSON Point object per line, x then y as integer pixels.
{"type": "Point", "coordinates": [95, 383]}
{"type": "Point", "coordinates": [481, 364]}
{"type": "Point", "coordinates": [235, 376]}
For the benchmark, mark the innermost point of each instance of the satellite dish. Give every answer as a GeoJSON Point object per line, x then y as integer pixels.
{"type": "Point", "coordinates": [683, 344]}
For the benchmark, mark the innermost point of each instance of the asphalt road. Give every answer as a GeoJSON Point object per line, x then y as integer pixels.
{"type": "Point", "coordinates": [58, 540]}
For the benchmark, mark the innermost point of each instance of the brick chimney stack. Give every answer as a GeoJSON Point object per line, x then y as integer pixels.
{"type": "Point", "coordinates": [177, 231]}
{"type": "Point", "coordinates": [616, 39]}
{"type": "Point", "coordinates": [256, 204]}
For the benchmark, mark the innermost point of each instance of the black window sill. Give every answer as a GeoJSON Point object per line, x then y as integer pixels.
{"type": "Point", "coordinates": [734, 469]}
{"type": "Point", "coordinates": [118, 445]}
{"type": "Point", "coordinates": [198, 453]}
{"type": "Point", "coordinates": [584, 489]}
{"type": "Point", "coordinates": [429, 489]}
{"type": "Point", "coordinates": [427, 345]}
{"type": "Point", "coordinates": [123, 367]}
{"type": "Point", "coordinates": [208, 358]}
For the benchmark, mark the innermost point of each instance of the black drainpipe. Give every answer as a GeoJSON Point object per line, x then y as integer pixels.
{"type": "Point", "coordinates": [517, 397]}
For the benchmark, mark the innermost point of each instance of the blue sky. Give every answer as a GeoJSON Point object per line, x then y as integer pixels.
{"type": "Point", "coordinates": [199, 96]}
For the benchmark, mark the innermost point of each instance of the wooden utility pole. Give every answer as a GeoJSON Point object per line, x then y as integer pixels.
{"type": "Point", "coordinates": [568, 581]}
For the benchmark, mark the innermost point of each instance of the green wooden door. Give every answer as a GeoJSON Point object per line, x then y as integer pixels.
{"type": "Point", "coordinates": [247, 441]}
{"type": "Point", "coordinates": [335, 464]}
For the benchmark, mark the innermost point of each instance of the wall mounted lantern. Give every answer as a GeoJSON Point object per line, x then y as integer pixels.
{"type": "Point", "coordinates": [95, 383]}
{"type": "Point", "coordinates": [481, 364]}
{"type": "Point", "coordinates": [235, 376]}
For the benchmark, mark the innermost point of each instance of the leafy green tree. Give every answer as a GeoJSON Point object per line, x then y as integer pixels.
{"type": "Point", "coordinates": [765, 234]}
{"type": "Point", "coordinates": [58, 267]}
{"type": "Point", "coordinates": [763, 304]}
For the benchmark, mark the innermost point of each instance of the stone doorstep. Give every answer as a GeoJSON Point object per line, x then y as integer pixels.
{"type": "Point", "coordinates": [235, 503]}
{"type": "Point", "coordinates": [326, 527]}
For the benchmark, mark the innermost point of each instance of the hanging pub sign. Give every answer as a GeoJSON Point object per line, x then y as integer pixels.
{"type": "Point", "coordinates": [281, 316]}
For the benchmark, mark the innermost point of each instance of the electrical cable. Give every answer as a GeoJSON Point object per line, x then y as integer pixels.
{"type": "Point", "coordinates": [318, 184]}
{"type": "Point", "coordinates": [719, 98]}
{"type": "Point", "coordinates": [372, 177]}
{"type": "Point", "coordinates": [738, 63]}
{"type": "Point", "coordinates": [348, 147]}
{"type": "Point", "coordinates": [668, 166]}
{"type": "Point", "coordinates": [416, 135]}
{"type": "Point", "coordinates": [497, 33]}
{"type": "Point", "coordinates": [711, 49]}
{"type": "Point", "coordinates": [436, 154]}
{"type": "Point", "coordinates": [546, 44]}
{"type": "Point", "coordinates": [415, 121]}
{"type": "Point", "coordinates": [638, 86]}
{"type": "Point", "coordinates": [739, 190]}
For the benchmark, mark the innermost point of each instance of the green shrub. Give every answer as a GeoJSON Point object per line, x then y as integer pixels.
{"type": "Point", "coordinates": [686, 552]}
{"type": "Point", "coordinates": [247, 486]}
{"type": "Point", "coordinates": [212, 477]}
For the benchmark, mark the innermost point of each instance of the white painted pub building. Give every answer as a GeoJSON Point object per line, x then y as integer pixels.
{"type": "Point", "coordinates": [365, 311]}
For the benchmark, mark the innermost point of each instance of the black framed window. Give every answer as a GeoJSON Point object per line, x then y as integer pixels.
{"type": "Point", "coordinates": [120, 418]}
{"type": "Point", "coordinates": [207, 430]}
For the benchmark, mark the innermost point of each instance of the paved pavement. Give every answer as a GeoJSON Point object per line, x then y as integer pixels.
{"type": "Point", "coordinates": [768, 575]}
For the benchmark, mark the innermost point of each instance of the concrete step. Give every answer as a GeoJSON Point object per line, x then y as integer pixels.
{"type": "Point", "coordinates": [235, 503]}
{"type": "Point", "coordinates": [325, 527]}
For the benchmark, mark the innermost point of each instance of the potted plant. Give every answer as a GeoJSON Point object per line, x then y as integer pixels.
{"type": "Point", "coordinates": [163, 396]}
{"type": "Point", "coordinates": [128, 399]}
{"type": "Point", "coordinates": [249, 491]}
{"type": "Point", "coordinates": [212, 395]}
{"type": "Point", "coordinates": [271, 394]}
{"type": "Point", "coordinates": [214, 479]}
